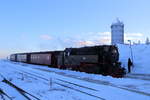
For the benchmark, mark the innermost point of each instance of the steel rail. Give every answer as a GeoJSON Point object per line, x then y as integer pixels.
{"type": "Point", "coordinates": [2, 92]}
{"type": "Point", "coordinates": [80, 91]}
{"type": "Point", "coordinates": [45, 79]}
{"type": "Point", "coordinates": [21, 91]}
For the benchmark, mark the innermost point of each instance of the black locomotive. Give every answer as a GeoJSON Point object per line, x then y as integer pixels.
{"type": "Point", "coordinates": [94, 59]}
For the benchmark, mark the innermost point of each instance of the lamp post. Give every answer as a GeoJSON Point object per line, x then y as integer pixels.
{"type": "Point", "coordinates": [131, 51]}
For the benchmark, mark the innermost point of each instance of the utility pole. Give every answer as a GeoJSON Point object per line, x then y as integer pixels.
{"type": "Point", "coordinates": [131, 51]}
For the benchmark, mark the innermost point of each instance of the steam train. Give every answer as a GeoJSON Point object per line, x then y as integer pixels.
{"type": "Point", "coordinates": [93, 59]}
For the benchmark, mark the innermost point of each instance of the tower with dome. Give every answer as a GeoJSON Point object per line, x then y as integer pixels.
{"type": "Point", "coordinates": [117, 32]}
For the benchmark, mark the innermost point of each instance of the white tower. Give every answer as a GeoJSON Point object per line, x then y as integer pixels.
{"type": "Point", "coordinates": [117, 32]}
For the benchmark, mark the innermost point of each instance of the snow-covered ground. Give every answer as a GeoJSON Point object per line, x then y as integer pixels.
{"type": "Point", "coordinates": [102, 87]}
{"type": "Point", "coordinates": [54, 84]}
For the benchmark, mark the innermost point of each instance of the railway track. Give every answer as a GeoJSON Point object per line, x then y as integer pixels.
{"type": "Point", "coordinates": [22, 92]}
{"type": "Point", "coordinates": [84, 79]}
{"type": "Point", "coordinates": [2, 94]}
{"type": "Point", "coordinates": [99, 82]}
{"type": "Point", "coordinates": [67, 84]}
{"type": "Point", "coordinates": [131, 75]}
{"type": "Point", "coordinates": [139, 76]}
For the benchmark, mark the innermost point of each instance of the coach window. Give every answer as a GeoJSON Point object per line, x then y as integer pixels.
{"type": "Point", "coordinates": [48, 57]}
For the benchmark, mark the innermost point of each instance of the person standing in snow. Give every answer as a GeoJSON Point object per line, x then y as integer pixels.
{"type": "Point", "coordinates": [129, 65]}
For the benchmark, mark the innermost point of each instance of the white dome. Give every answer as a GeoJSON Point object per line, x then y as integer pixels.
{"type": "Point", "coordinates": [117, 22]}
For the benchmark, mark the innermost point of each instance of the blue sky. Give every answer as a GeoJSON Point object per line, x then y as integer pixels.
{"type": "Point", "coordinates": [39, 25]}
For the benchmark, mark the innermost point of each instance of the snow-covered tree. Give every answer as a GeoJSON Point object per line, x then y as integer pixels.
{"type": "Point", "coordinates": [139, 42]}
{"type": "Point", "coordinates": [147, 41]}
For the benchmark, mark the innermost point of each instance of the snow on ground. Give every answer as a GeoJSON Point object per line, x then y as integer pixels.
{"type": "Point", "coordinates": [38, 88]}
{"type": "Point", "coordinates": [141, 59]}
{"type": "Point", "coordinates": [110, 89]}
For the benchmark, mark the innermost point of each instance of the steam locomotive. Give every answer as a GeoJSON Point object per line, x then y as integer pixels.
{"type": "Point", "coordinates": [93, 59]}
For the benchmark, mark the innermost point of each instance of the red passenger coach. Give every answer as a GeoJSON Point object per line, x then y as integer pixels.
{"type": "Point", "coordinates": [38, 58]}
{"type": "Point", "coordinates": [50, 58]}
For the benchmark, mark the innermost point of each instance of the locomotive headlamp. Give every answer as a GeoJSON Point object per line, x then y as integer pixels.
{"type": "Point", "coordinates": [114, 51]}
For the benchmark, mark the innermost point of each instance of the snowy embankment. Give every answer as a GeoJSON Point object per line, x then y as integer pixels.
{"type": "Point", "coordinates": [141, 59]}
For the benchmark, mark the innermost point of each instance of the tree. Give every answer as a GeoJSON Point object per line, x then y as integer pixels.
{"type": "Point", "coordinates": [139, 42]}
{"type": "Point", "coordinates": [147, 41]}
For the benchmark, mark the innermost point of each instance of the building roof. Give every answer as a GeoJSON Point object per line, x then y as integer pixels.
{"type": "Point", "coordinates": [117, 22]}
